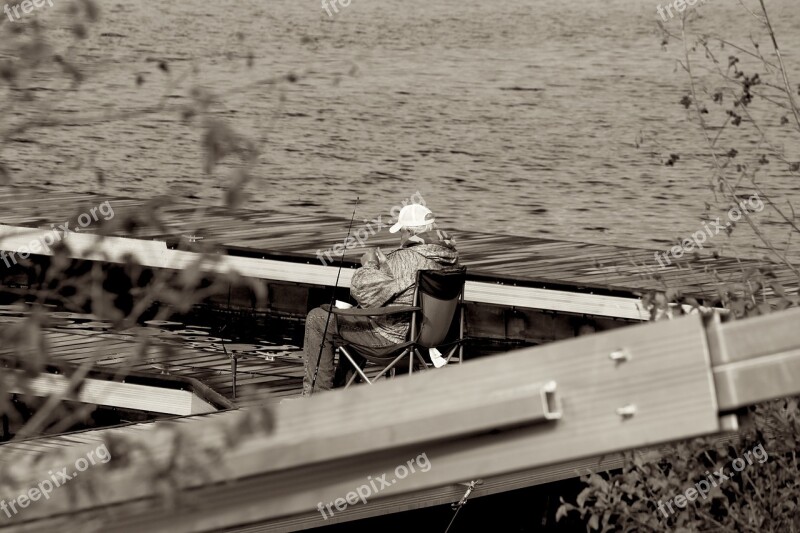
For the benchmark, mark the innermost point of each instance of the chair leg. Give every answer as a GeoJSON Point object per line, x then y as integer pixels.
{"type": "Point", "coordinates": [421, 359]}
{"type": "Point", "coordinates": [461, 331]}
{"type": "Point", "coordinates": [410, 352]}
{"type": "Point", "coordinates": [391, 365]}
{"type": "Point", "coordinates": [451, 353]}
{"type": "Point", "coordinates": [356, 367]}
{"type": "Point", "coordinates": [351, 380]}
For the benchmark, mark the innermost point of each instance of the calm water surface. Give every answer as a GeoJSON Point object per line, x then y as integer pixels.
{"type": "Point", "coordinates": [512, 116]}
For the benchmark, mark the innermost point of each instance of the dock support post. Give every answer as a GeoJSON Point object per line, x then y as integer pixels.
{"type": "Point", "coordinates": [233, 371]}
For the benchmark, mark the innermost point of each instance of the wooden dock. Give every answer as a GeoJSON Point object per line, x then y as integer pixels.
{"type": "Point", "coordinates": [537, 290]}
{"type": "Point", "coordinates": [521, 289]}
{"type": "Point", "coordinates": [265, 374]}
{"type": "Point", "coordinates": [575, 271]}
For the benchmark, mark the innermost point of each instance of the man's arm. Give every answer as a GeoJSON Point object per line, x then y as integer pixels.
{"type": "Point", "coordinates": [372, 286]}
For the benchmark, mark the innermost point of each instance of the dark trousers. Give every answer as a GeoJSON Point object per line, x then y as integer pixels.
{"type": "Point", "coordinates": [357, 330]}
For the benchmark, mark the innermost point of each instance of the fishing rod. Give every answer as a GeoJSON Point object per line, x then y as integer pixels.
{"type": "Point", "coordinates": [333, 299]}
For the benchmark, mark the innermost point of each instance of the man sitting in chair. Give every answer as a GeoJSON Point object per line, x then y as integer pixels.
{"type": "Point", "coordinates": [382, 280]}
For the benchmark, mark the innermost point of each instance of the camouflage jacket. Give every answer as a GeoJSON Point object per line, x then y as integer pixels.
{"type": "Point", "coordinates": [393, 281]}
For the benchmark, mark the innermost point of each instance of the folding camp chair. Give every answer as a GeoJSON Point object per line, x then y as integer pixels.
{"type": "Point", "coordinates": [438, 299]}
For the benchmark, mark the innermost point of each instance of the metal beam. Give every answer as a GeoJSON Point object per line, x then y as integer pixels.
{"type": "Point", "coordinates": [625, 389]}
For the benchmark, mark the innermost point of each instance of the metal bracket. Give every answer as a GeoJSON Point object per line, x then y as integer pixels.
{"type": "Point", "coordinates": [470, 487]}
{"type": "Point", "coordinates": [755, 360]}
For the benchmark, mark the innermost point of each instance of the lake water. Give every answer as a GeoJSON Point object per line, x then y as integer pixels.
{"type": "Point", "coordinates": [516, 116]}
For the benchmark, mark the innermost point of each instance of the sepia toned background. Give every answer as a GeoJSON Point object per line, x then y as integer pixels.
{"type": "Point", "coordinates": [509, 116]}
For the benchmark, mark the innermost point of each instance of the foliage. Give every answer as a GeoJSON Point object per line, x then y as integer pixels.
{"type": "Point", "coordinates": [763, 498]}
{"type": "Point", "coordinates": [746, 88]}
{"type": "Point", "coordinates": [120, 294]}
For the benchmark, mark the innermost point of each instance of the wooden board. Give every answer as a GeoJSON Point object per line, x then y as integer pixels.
{"type": "Point", "coordinates": [258, 381]}
{"type": "Point", "coordinates": [585, 269]}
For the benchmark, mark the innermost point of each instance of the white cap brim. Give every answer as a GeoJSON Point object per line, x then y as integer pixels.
{"type": "Point", "coordinates": [396, 227]}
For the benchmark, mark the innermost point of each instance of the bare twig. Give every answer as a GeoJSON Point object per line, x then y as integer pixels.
{"type": "Point", "coordinates": [786, 83]}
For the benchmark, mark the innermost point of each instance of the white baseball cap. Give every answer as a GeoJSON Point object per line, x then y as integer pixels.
{"type": "Point", "coordinates": [413, 215]}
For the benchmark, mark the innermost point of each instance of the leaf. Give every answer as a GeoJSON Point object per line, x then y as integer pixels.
{"type": "Point", "coordinates": [92, 11]}
{"type": "Point", "coordinates": [581, 499]}
{"type": "Point", "coordinates": [191, 276]}
{"type": "Point", "coordinates": [562, 511]}
{"type": "Point", "coordinates": [606, 519]}
{"type": "Point", "coordinates": [234, 198]}
{"type": "Point", "coordinates": [778, 288]}
{"type": "Point", "coordinates": [599, 483]}
{"type": "Point", "coordinates": [79, 30]}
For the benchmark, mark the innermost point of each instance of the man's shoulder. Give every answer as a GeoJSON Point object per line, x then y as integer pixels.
{"type": "Point", "coordinates": [405, 260]}
{"type": "Point", "coordinates": [405, 253]}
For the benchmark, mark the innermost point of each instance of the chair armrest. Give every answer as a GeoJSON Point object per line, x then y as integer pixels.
{"type": "Point", "coordinates": [376, 311]}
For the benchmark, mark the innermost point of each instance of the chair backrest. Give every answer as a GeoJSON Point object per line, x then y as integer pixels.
{"type": "Point", "coordinates": [438, 293]}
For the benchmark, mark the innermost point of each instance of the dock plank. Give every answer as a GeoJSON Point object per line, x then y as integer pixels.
{"type": "Point", "coordinates": [263, 381]}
